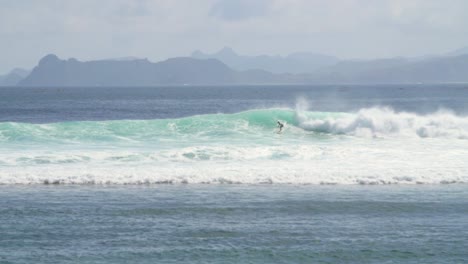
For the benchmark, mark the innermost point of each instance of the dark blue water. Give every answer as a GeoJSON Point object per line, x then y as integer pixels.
{"type": "Point", "coordinates": [234, 224]}
{"type": "Point", "coordinates": [42, 105]}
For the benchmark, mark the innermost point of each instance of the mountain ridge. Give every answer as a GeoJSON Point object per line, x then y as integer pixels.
{"type": "Point", "coordinates": [53, 71]}
{"type": "Point", "coordinates": [296, 63]}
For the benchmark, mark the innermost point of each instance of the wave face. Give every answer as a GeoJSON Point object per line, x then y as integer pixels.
{"type": "Point", "coordinates": [202, 126]}
{"type": "Point", "coordinates": [371, 146]}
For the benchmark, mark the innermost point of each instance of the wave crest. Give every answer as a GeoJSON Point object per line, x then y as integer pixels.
{"type": "Point", "coordinates": [381, 122]}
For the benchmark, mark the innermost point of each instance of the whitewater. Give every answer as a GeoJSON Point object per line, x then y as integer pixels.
{"type": "Point", "coordinates": [374, 145]}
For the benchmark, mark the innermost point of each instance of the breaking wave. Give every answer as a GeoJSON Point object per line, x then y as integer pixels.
{"type": "Point", "coordinates": [370, 122]}
{"type": "Point", "coordinates": [386, 122]}
{"type": "Point", "coordinates": [370, 146]}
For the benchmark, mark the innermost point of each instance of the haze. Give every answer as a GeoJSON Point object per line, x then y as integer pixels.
{"type": "Point", "coordinates": [159, 29]}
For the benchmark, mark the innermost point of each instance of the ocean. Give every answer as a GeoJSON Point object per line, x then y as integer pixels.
{"type": "Point", "coordinates": [193, 174]}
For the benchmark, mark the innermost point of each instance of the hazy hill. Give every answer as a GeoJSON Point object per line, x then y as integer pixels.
{"type": "Point", "coordinates": [13, 77]}
{"type": "Point", "coordinates": [457, 52]}
{"type": "Point", "coordinates": [294, 63]}
{"type": "Point", "coordinates": [351, 68]}
{"type": "Point", "coordinates": [52, 71]}
{"type": "Point", "coordinates": [397, 70]}
{"type": "Point", "coordinates": [442, 69]}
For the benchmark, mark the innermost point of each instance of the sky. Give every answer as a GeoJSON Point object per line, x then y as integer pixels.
{"type": "Point", "coordinates": [159, 29]}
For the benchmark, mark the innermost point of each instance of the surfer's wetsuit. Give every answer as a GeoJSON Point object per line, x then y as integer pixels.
{"type": "Point", "coordinates": [280, 125]}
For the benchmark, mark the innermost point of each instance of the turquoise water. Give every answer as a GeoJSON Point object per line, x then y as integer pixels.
{"type": "Point", "coordinates": [234, 224]}
{"type": "Point", "coordinates": [242, 125]}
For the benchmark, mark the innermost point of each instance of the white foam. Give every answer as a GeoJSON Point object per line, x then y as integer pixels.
{"type": "Point", "coordinates": [375, 122]}
{"type": "Point", "coordinates": [232, 173]}
{"type": "Point", "coordinates": [333, 161]}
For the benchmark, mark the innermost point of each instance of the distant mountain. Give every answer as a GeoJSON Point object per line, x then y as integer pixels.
{"type": "Point", "coordinates": [128, 58]}
{"type": "Point", "coordinates": [13, 77]}
{"type": "Point", "coordinates": [442, 69]}
{"type": "Point", "coordinates": [458, 52]}
{"type": "Point", "coordinates": [295, 63]}
{"type": "Point", "coordinates": [350, 68]}
{"type": "Point", "coordinates": [52, 71]}
{"type": "Point", "coordinates": [398, 70]}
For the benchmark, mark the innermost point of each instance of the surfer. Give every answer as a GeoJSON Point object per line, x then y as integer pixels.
{"type": "Point", "coordinates": [280, 126]}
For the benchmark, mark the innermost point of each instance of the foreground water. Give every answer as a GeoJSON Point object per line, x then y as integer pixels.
{"type": "Point", "coordinates": [360, 174]}
{"type": "Point", "coordinates": [234, 224]}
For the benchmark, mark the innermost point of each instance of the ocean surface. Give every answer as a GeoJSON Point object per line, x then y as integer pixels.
{"type": "Point", "coordinates": [359, 174]}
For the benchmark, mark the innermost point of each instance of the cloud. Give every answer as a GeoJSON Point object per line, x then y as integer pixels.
{"type": "Point", "coordinates": [239, 9]}
{"type": "Point", "coordinates": [157, 29]}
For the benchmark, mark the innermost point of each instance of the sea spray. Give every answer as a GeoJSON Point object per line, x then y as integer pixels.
{"type": "Point", "coordinates": [387, 122]}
